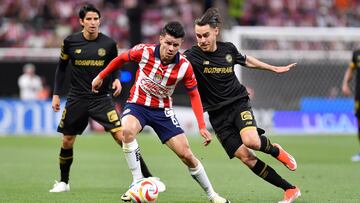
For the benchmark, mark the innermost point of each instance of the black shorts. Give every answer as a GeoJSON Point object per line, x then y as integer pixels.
{"type": "Point", "coordinates": [77, 112]}
{"type": "Point", "coordinates": [229, 120]}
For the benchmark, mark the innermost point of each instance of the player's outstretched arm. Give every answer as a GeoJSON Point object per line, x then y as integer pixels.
{"type": "Point", "coordinates": [252, 62]}
{"type": "Point", "coordinates": [198, 111]}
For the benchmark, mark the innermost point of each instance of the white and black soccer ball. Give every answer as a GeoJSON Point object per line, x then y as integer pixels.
{"type": "Point", "coordinates": [144, 191]}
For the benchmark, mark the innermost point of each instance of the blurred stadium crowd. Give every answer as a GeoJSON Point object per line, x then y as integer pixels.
{"type": "Point", "coordinates": [44, 23]}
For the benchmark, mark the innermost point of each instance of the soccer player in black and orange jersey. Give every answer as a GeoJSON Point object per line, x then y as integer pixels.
{"type": "Point", "coordinates": [227, 102]}
{"type": "Point", "coordinates": [354, 65]}
{"type": "Point", "coordinates": [89, 52]}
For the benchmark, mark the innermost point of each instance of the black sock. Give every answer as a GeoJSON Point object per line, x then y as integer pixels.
{"type": "Point", "coordinates": [144, 169]}
{"type": "Point", "coordinates": [267, 147]}
{"type": "Point", "coordinates": [269, 174]}
{"type": "Point", "coordinates": [65, 160]}
{"type": "Point", "coordinates": [358, 134]}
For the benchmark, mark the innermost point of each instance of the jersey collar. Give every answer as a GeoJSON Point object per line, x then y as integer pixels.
{"type": "Point", "coordinates": [157, 55]}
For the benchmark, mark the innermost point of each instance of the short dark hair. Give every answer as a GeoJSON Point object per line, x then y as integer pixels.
{"type": "Point", "coordinates": [210, 17]}
{"type": "Point", "coordinates": [174, 29]}
{"type": "Point", "coordinates": [87, 8]}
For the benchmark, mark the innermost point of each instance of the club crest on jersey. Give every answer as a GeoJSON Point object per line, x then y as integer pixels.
{"type": "Point", "coordinates": [206, 62]}
{"type": "Point", "coordinates": [77, 51]}
{"type": "Point", "coordinates": [246, 115]}
{"type": "Point", "coordinates": [157, 78]}
{"type": "Point", "coordinates": [101, 52]}
{"type": "Point", "coordinates": [228, 58]}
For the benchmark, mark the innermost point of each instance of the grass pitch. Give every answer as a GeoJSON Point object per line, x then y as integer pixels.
{"type": "Point", "coordinates": [29, 166]}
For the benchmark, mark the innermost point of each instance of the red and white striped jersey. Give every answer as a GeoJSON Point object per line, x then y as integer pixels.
{"type": "Point", "coordinates": [155, 82]}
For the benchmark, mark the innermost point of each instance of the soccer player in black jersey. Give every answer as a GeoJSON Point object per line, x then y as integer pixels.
{"type": "Point", "coordinates": [89, 52]}
{"type": "Point", "coordinates": [227, 102]}
{"type": "Point", "coordinates": [354, 65]}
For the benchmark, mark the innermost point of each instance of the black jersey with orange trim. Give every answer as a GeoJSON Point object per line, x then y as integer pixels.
{"type": "Point", "coordinates": [214, 71]}
{"type": "Point", "coordinates": [88, 58]}
{"type": "Point", "coordinates": [355, 64]}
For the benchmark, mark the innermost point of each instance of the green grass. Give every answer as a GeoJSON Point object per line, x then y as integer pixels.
{"type": "Point", "coordinates": [29, 165]}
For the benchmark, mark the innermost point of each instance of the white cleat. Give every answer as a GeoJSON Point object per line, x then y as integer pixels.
{"type": "Point", "coordinates": [356, 157]}
{"type": "Point", "coordinates": [60, 187]}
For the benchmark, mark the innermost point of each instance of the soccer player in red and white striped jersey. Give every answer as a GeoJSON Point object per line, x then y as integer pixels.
{"type": "Point", "coordinates": [155, 79]}
{"type": "Point", "coordinates": [160, 68]}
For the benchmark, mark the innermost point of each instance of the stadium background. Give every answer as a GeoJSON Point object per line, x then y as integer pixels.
{"type": "Point", "coordinates": [317, 34]}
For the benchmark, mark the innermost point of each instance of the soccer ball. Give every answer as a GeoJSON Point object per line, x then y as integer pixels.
{"type": "Point", "coordinates": [144, 191]}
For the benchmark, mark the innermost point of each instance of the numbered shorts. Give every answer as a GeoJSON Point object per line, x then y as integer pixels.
{"type": "Point", "coordinates": [163, 121]}
{"type": "Point", "coordinates": [77, 112]}
{"type": "Point", "coordinates": [229, 120]}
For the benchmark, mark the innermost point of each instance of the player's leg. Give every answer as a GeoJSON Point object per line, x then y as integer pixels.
{"type": "Point", "coordinates": [66, 156]}
{"type": "Point", "coordinates": [118, 136]}
{"type": "Point", "coordinates": [65, 161]}
{"type": "Point", "coordinates": [266, 172]}
{"type": "Point", "coordinates": [73, 121]}
{"type": "Point", "coordinates": [131, 127]}
{"type": "Point", "coordinates": [227, 134]}
{"type": "Point", "coordinates": [179, 144]}
{"type": "Point", "coordinates": [252, 140]}
{"type": "Point", "coordinates": [103, 111]}
{"type": "Point", "coordinates": [243, 118]}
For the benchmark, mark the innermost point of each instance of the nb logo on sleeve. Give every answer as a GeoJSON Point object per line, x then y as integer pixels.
{"type": "Point", "coordinates": [246, 115]}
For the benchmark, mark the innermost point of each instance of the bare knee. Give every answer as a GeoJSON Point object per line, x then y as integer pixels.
{"type": "Point", "coordinates": [247, 156]}
{"type": "Point", "coordinates": [129, 135]}
{"type": "Point", "coordinates": [68, 141]}
{"type": "Point", "coordinates": [251, 139]}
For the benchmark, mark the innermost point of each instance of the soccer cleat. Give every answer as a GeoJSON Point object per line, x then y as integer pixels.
{"type": "Point", "coordinates": [161, 186]}
{"type": "Point", "coordinates": [126, 196]}
{"type": "Point", "coordinates": [286, 158]}
{"type": "Point", "coordinates": [356, 157]}
{"type": "Point", "coordinates": [218, 199]}
{"type": "Point", "coordinates": [60, 187]}
{"type": "Point", "coordinates": [290, 195]}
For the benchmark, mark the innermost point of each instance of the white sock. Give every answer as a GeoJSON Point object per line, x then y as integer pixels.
{"type": "Point", "coordinates": [199, 174]}
{"type": "Point", "coordinates": [132, 155]}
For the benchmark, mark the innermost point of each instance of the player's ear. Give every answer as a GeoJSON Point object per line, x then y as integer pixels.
{"type": "Point", "coordinates": [217, 30]}
{"type": "Point", "coordinates": [81, 22]}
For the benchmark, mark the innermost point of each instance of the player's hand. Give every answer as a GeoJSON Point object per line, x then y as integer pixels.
{"type": "Point", "coordinates": [283, 69]}
{"type": "Point", "coordinates": [56, 103]}
{"type": "Point", "coordinates": [346, 90]}
{"type": "Point", "coordinates": [96, 84]}
{"type": "Point", "coordinates": [116, 86]}
{"type": "Point", "coordinates": [206, 135]}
